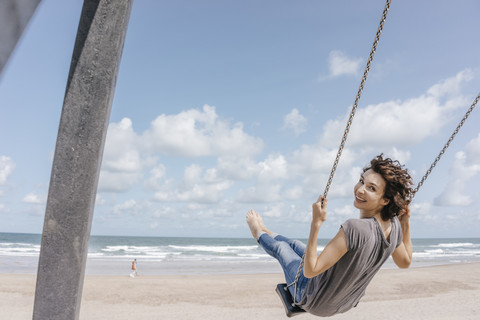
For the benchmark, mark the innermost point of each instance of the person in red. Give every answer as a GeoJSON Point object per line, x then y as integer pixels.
{"type": "Point", "coordinates": [134, 267]}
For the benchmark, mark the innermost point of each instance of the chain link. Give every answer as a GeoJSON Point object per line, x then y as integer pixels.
{"type": "Point", "coordinates": [349, 123]}
{"type": "Point", "coordinates": [467, 114]}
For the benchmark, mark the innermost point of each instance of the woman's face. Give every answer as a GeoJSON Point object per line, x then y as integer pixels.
{"type": "Point", "coordinates": [369, 193]}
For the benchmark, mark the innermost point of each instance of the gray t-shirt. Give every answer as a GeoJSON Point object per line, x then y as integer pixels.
{"type": "Point", "coordinates": [341, 287]}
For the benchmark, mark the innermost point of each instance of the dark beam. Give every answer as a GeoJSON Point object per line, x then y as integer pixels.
{"type": "Point", "coordinates": [78, 154]}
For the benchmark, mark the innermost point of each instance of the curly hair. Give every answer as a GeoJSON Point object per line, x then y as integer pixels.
{"type": "Point", "coordinates": [398, 187]}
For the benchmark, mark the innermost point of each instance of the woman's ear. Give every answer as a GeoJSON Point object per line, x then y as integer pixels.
{"type": "Point", "coordinates": [386, 201]}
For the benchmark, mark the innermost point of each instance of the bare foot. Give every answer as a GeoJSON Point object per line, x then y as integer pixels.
{"type": "Point", "coordinates": [262, 225]}
{"type": "Point", "coordinates": [253, 221]}
{"type": "Point", "coordinates": [257, 224]}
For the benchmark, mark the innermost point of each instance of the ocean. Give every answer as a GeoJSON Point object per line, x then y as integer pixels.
{"type": "Point", "coordinates": [161, 255]}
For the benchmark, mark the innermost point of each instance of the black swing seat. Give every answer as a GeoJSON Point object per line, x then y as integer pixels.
{"type": "Point", "coordinates": [290, 308]}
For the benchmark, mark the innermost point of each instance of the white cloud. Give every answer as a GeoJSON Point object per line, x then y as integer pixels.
{"type": "Point", "coordinates": [465, 167]}
{"type": "Point", "coordinates": [313, 163]}
{"type": "Point", "coordinates": [340, 64]}
{"type": "Point", "coordinates": [384, 126]}
{"type": "Point", "coordinates": [117, 181]}
{"type": "Point", "coordinates": [274, 211]}
{"type": "Point", "coordinates": [472, 152]}
{"type": "Point", "coordinates": [422, 211]}
{"type": "Point", "coordinates": [130, 206]}
{"type": "Point", "coordinates": [338, 215]}
{"type": "Point", "coordinates": [403, 156]}
{"type": "Point", "coordinates": [419, 209]}
{"type": "Point", "coordinates": [454, 195]}
{"type": "Point", "coordinates": [312, 159]}
{"type": "Point", "coordinates": [6, 168]}
{"type": "Point", "coordinates": [295, 121]}
{"type": "Point", "coordinates": [164, 212]}
{"type": "Point", "coordinates": [219, 211]}
{"type": "Point", "coordinates": [191, 176]}
{"type": "Point", "coordinates": [274, 167]}
{"type": "Point", "coordinates": [240, 177]}
{"type": "Point", "coordinates": [99, 200]}
{"type": "Point", "coordinates": [156, 177]}
{"type": "Point", "coordinates": [267, 187]}
{"type": "Point", "coordinates": [236, 167]}
{"type": "Point", "coordinates": [121, 163]}
{"type": "Point", "coordinates": [293, 193]}
{"type": "Point", "coordinates": [344, 181]}
{"type": "Point", "coordinates": [402, 123]}
{"type": "Point", "coordinates": [345, 212]}
{"type": "Point", "coordinates": [32, 198]}
{"type": "Point", "coordinates": [260, 193]}
{"type": "Point", "coordinates": [190, 133]}
{"type": "Point", "coordinates": [195, 133]}
{"type": "Point", "coordinates": [120, 151]}
{"type": "Point", "coordinates": [197, 185]}
{"type": "Point", "coordinates": [451, 86]}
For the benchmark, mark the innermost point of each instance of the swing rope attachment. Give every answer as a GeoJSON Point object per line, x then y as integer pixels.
{"type": "Point", "coordinates": [347, 129]}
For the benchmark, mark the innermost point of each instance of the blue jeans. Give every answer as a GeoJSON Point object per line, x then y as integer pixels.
{"type": "Point", "coordinates": [289, 254]}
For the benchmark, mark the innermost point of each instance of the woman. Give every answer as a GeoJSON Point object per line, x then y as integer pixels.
{"type": "Point", "coordinates": [334, 281]}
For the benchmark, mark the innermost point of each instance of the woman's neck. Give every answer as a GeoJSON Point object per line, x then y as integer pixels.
{"type": "Point", "coordinates": [371, 214]}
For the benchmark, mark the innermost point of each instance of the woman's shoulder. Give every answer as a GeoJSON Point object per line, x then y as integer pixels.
{"type": "Point", "coordinates": [365, 223]}
{"type": "Point", "coordinates": [357, 231]}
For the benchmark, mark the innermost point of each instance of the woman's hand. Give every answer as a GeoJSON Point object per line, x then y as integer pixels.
{"type": "Point", "coordinates": [402, 256]}
{"type": "Point", "coordinates": [404, 215]}
{"type": "Point", "coordinates": [319, 210]}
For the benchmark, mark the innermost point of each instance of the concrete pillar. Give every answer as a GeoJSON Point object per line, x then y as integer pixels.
{"type": "Point", "coordinates": [78, 153]}
{"type": "Point", "coordinates": [14, 16]}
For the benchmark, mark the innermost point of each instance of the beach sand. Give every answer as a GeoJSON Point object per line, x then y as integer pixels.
{"type": "Point", "coordinates": [437, 292]}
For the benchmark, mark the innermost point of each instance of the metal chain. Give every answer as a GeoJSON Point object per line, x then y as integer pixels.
{"type": "Point", "coordinates": [350, 119]}
{"type": "Point", "coordinates": [357, 98]}
{"type": "Point", "coordinates": [467, 114]}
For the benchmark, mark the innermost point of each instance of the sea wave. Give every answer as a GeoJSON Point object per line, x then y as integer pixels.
{"type": "Point", "coordinates": [201, 249]}
{"type": "Point", "coordinates": [19, 249]}
{"type": "Point", "coordinates": [457, 245]}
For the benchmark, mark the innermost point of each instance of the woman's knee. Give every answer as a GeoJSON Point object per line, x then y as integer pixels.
{"type": "Point", "coordinates": [297, 244]}
{"type": "Point", "coordinates": [280, 247]}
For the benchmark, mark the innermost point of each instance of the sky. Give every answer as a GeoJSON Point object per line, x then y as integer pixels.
{"type": "Point", "coordinates": [225, 106]}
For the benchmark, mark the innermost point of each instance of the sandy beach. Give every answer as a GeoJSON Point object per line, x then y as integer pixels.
{"type": "Point", "coordinates": [437, 292]}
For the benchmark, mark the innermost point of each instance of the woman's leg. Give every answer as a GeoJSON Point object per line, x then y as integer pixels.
{"type": "Point", "coordinates": [287, 252]}
{"type": "Point", "coordinates": [289, 261]}
{"type": "Point", "coordinates": [298, 246]}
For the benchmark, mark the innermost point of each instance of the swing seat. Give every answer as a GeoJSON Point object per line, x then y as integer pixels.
{"type": "Point", "coordinates": [290, 308]}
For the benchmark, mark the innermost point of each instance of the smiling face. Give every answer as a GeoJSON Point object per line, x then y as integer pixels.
{"type": "Point", "coordinates": [369, 194]}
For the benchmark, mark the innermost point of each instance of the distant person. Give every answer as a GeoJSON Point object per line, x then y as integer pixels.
{"type": "Point", "coordinates": [134, 268]}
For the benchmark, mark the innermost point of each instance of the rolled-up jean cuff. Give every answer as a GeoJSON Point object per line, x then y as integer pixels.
{"type": "Point", "coordinates": [260, 234]}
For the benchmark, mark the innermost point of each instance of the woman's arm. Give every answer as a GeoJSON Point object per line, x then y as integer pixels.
{"type": "Point", "coordinates": [402, 256]}
{"type": "Point", "coordinates": [335, 249]}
